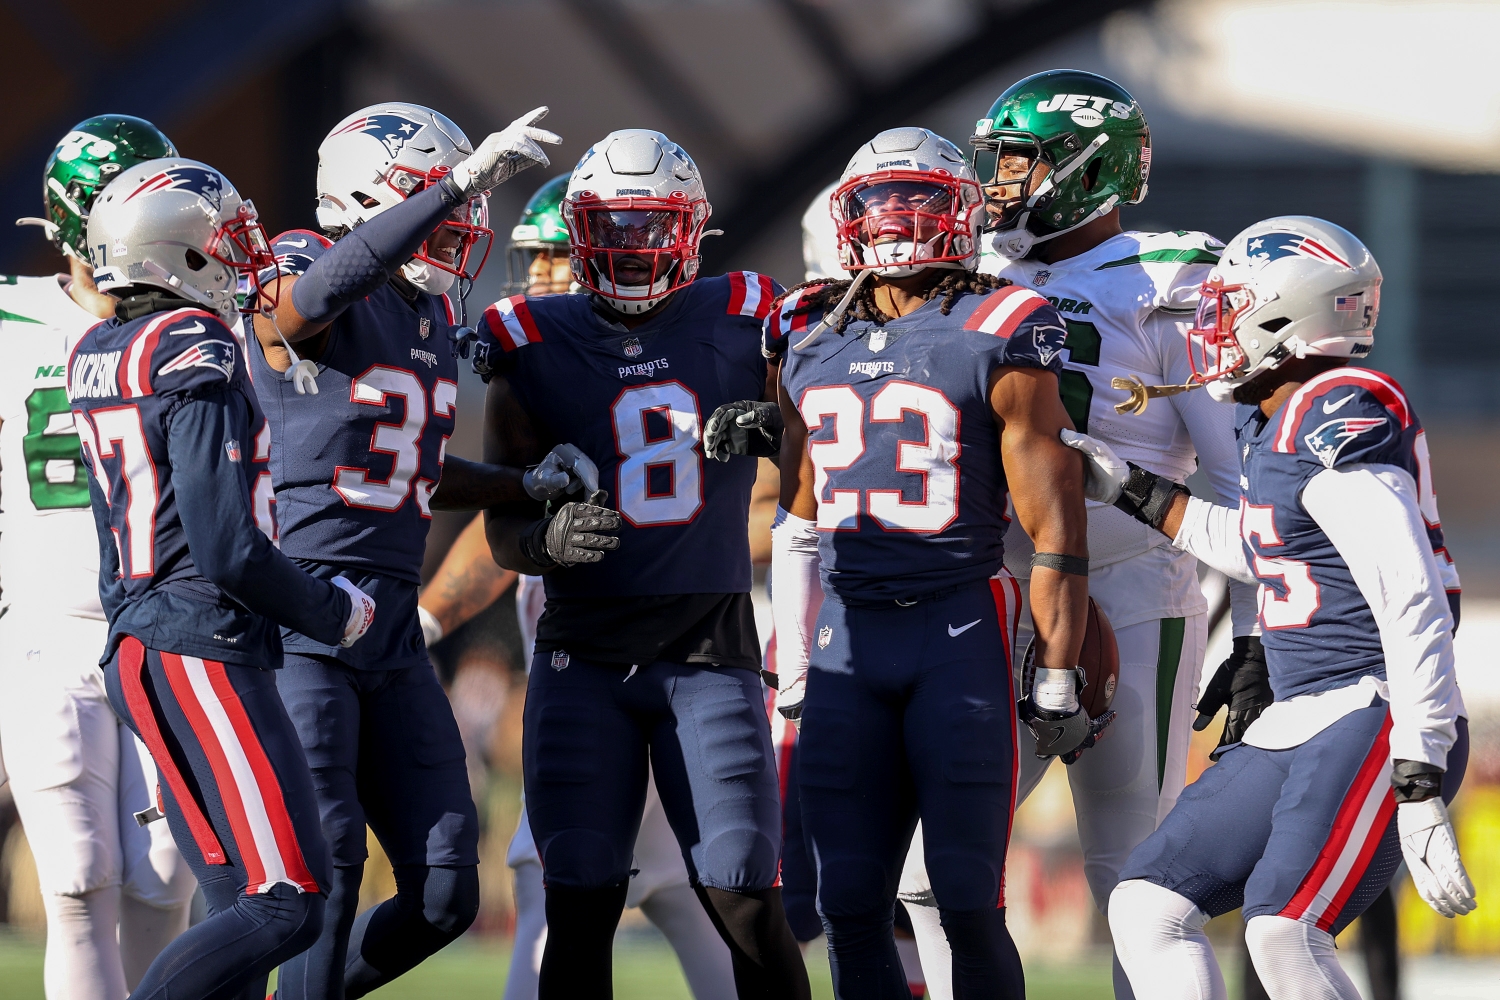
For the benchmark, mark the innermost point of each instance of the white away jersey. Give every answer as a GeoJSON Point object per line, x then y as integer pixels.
{"type": "Point", "coordinates": [1128, 304]}
{"type": "Point", "coordinates": [49, 551]}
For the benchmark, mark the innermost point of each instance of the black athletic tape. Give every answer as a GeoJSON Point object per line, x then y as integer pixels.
{"type": "Point", "coordinates": [1073, 565]}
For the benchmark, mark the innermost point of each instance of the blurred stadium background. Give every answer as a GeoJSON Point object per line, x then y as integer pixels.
{"type": "Point", "coordinates": [1381, 115]}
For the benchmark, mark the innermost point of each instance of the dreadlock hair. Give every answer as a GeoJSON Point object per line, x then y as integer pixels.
{"type": "Point", "coordinates": [826, 294]}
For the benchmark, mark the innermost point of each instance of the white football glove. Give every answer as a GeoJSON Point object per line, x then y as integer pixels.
{"type": "Point", "coordinates": [432, 629]}
{"type": "Point", "coordinates": [1104, 473]}
{"type": "Point", "coordinates": [504, 154]}
{"type": "Point", "coordinates": [1431, 853]}
{"type": "Point", "coordinates": [361, 615]}
{"type": "Point", "coordinates": [565, 469]}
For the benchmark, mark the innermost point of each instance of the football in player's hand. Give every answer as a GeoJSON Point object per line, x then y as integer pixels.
{"type": "Point", "coordinates": [1100, 662]}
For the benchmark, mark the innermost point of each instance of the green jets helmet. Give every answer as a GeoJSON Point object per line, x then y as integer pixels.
{"type": "Point", "coordinates": [92, 154]}
{"type": "Point", "coordinates": [540, 229]}
{"type": "Point", "coordinates": [1087, 147]}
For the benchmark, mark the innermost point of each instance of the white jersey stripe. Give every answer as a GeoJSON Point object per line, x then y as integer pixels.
{"type": "Point", "coordinates": [1019, 301]}
{"type": "Point", "coordinates": [263, 835]}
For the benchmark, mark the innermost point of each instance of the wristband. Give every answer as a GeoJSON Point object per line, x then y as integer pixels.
{"type": "Point", "coordinates": [1416, 781]}
{"type": "Point", "coordinates": [1072, 565]}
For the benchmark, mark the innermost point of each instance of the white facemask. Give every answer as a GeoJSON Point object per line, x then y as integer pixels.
{"type": "Point", "coordinates": [634, 307]}
{"type": "Point", "coordinates": [426, 278]}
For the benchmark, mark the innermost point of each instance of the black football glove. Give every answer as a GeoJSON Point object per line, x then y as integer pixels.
{"type": "Point", "coordinates": [746, 427]}
{"type": "Point", "coordinates": [578, 533]}
{"type": "Point", "coordinates": [1148, 497]}
{"type": "Point", "coordinates": [1242, 683]}
{"type": "Point", "coordinates": [1058, 734]}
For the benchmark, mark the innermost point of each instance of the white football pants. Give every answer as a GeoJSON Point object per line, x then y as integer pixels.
{"type": "Point", "coordinates": [1123, 787]}
{"type": "Point", "coordinates": [115, 893]}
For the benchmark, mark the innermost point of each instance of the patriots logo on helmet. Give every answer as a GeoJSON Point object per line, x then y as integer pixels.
{"type": "Point", "coordinates": [1274, 246]}
{"type": "Point", "coordinates": [1329, 439]}
{"type": "Point", "coordinates": [206, 184]}
{"type": "Point", "coordinates": [394, 131]}
{"type": "Point", "coordinates": [215, 354]}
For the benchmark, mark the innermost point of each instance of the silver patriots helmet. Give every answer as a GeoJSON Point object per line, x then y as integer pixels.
{"type": "Point", "coordinates": [179, 225]}
{"type": "Point", "coordinates": [635, 209]}
{"type": "Point", "coordinates": [1288, 287]}
{"type": "Point", "coordinates": [907, 201]}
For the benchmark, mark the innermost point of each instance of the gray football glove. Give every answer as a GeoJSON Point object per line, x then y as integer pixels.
{"type": "Point", "coordinates": [578, 533]}
{"type": "Point", "coordinates": [504, 154]}
{"type": "Point", "coordinates": [745, 427]}
{"type": "Point", "coordinates": [566, 469]}
{"type": "Point", "coordinates": [1058, 734]}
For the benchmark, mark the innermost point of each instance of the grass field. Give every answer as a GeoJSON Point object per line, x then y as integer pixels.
{"type": "Point", "coordinates": [645, 969]}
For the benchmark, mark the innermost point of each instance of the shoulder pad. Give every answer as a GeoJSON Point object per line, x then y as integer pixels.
{"type": "Point", "coordinates": [782, 320]}
{"type": "Point", "coordinates": [179, 351]}
{"type": "Point", "coordinates": [1177, 247]}
{"type": "Point", "coordinates": [751, 294]}
{"type": "Point", "coordinates": [296, 250]}
{"type": "Point", "coordinates": [1000, 313]}
{"type": "Point", "coordinates": [1345, 416]}
{"type": "Point", "coordinates": [510, 323]}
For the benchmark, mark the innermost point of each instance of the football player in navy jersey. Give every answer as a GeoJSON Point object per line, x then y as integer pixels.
{"type": "Point", "coordinates": [910, 409]}
{"type": "Point", "coordinates": [357, 375]}
{"type": "Point", "coordinates": [647, 647]}
{"type": "Point", "coordinates": [192, 589]}
{"type": "Point", "coordinates": [1348, 772]}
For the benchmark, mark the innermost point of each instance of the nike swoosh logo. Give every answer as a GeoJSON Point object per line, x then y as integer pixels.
{"type": "Point", "coordinates": [1330, 407]}
{"type": "Point", "coordinates": [963, 628]}
{"type": "Point", "coordinates": [195, 328]}
{"type": "Point", "coordinates": [299, 244]}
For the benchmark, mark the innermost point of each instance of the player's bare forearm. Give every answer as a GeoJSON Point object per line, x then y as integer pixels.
{"type": "Point", "coordinates": [1172, 523]}
{"type": "Point", "coordinates": [466, 485]}
{"type": "Point", "coordinates": [291, 324]}
{"type": "Point", "coordinates": [1046, 484]}
{"type": "Point", "coordinates": [797, 495]}
{"type": "Point", "coordinates": [467, 582]}
{"type": "Point", "coordinates": [510, 440]}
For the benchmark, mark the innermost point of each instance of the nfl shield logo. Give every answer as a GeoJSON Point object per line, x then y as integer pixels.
{"type": "Point", "coordinates": [825, 636]}
{"type": "Point", "coordinates": [424, 327]}
{"type": "Point", "coordinates": [1040, 278]}
{"type": "Point", "coordinates": [560, 659]}
{"type": "Point", "coordinates": [631, 346]}
{"type": "Point", "coordinates": [877, 341]}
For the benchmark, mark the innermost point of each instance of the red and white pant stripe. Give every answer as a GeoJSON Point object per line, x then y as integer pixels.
{"type": "Point", "coordinates": [1357, 830]}
{"type": "Point", "coordinates": [247, 783]}
{"type": "Point", "coordinates": [1007, 592]}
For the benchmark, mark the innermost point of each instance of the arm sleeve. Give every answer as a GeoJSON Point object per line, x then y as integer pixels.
{"type": "Point", "coordinates": [1210, 425]}
{"type": "Point", "coordinates": [796, 599]}
{"type": "Point", "coordinates": [111, 587]}
{"type": "Point", "coordinates": [367, 257]}
{"type": "Point", "coordinates": [1399, 579]}
{"type": "Point", "coordinates": [225, 544]}
{"type": "Point", "coordinates": [1211, 532]}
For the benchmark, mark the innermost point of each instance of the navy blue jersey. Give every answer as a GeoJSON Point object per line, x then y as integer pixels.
{"type": "Point", "coordinates": [354, 466]}
{"type": "Point", "coordinates": [635, 401]}
{"type": "Point", "coordinates": [168, 422]}
{"type": "Point", "coordinates": [904, 444]}
{"type": "Point", "coordinates": [1317, 628]}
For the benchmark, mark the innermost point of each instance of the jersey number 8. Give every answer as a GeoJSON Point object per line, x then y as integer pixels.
{"type": "Point", "coordinates": [660, 479]}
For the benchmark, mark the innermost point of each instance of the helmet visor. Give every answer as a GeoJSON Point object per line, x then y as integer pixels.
{"type": "Point", "coordinates": [898, 211]}
{"type": "Point", "coordinates": [633, 229]}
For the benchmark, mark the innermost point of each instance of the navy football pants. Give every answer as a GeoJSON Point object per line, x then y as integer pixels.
{"type": "Point", "coordinates": [589, 729]}
{"type": "Point", "coordinates": [1307, 833]}
{"type": "Point", "coordinates": [236, 791]}
{"type": "Point", "coordinates": [911, 711]}
{"type": "Point", "coordinates": [385, 750]}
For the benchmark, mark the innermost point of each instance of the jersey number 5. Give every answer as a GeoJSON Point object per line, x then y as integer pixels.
{"type": "Point", "coordinates": [934, 458]}
{"type": "Point", "coordinates": [1303, 597]}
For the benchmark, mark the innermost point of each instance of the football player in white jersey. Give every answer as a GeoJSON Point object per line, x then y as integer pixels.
{"type": "Point", "coordinates": [114, 888]}
{"type": "Point", "coordinates": [1058, 154]}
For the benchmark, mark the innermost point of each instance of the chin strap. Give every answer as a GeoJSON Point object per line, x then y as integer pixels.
{"type": "Point", "coordinates": [832, 319]}
{"type": "Point", "coordinates": [1141, 393]}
